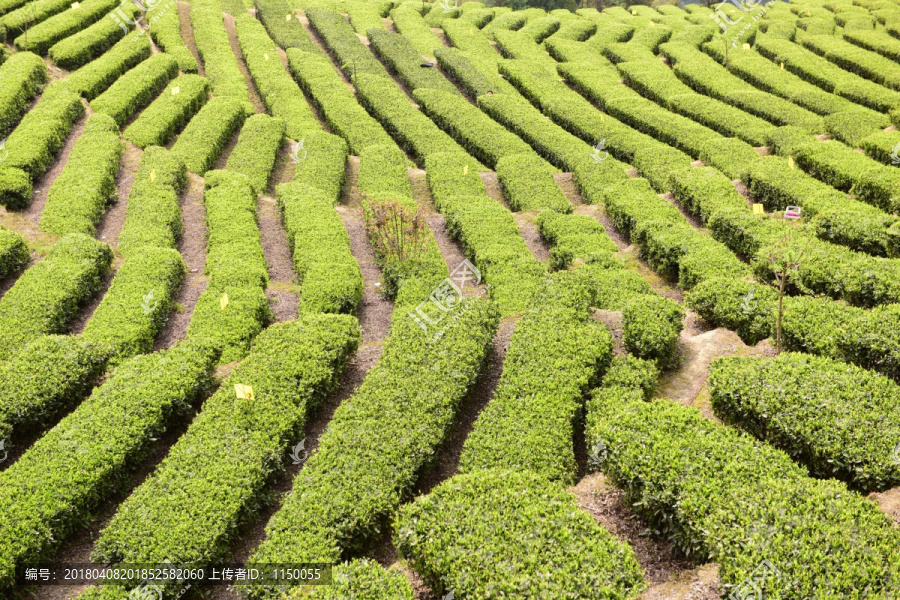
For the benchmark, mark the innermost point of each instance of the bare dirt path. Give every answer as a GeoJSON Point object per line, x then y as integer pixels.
{"type": "Point", "coordinates": [255, 98]}
{"type": "Point", "coordinates": [192, 247]}
{"type": "Point", "coordinates": [187, 33]}
{"type": "Point", "coordinates": [283, 292]}
{"type": "Point", "coordinates": [110, 226]}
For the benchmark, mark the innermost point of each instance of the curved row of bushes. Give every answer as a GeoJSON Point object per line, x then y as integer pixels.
{"type": "Point", "coordinates": [233, 308]}
{"type": "Point", "coordinates": [46, 297]}
{"type": "Point", "coordinates": [39, 38]}
{"type": "Point", "coordinates": [257, 148]}
{"type": "Point", "coordinates": [78, 197]}
{"type": "Point", "coordinates": [486, 230]}
{"type": "Point", "coordinates": [23, 74]}
{"type": "Point", "coordinates": [169, 112]}
{"type": "Point", "coordinates": [337, 103]}
{"type": "Point", "coordinates": [79, 49]}
{"type": "Point", "coordinates": [838, 419]}
{"type": "Point", "coordinates": [93, 78]}
{"type": "Point", "coordinates": [219, 62]}
{"type": "Point", "coordinates": [14, 253]}
{"type": "Point", "coordinates": [63, 478]}
{"type": "Point", "coordinates": [165, 28]}
{"type": "Point", "coordinates": [207, 133]}
{"type": "Point", "coordinates": [278, 90]}
{"type": "Point", "coordinates": [190, 508]}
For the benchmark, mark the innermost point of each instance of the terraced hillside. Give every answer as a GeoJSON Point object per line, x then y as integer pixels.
{"type": "Point", "coordinates": [467, 302]}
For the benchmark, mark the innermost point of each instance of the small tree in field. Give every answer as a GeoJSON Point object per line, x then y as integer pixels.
{"type": "Point", "coordinates": [784, 261]}
{"type": "Point", "coordinates": [397, 232]}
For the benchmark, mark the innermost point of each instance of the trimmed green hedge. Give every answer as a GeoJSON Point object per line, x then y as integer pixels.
{"type": "Point", "coordinates": [337, 103]}
{"type": "Point", "coordinates": [486, 230]}
{"type": "Point", "coordinates": [89, 43]}
{"type": "Point", "coordinates": [39, 38]}
{"type": "Point", "coordinates": [708, 77]}
{"type": "Point", "coordinates": [338, 35]}
{"type": "Point", "coordinates": [494, 532]}
{"type": "Point", "coordinates": [169, 112]}
{"type": "Point", "coordinates": [745, 307]}
{"type": "Point", "coordinates": [23, 74]}
{"type": "Point", "coordinates": [668, 242]}
{"type": "Point", "coordinates": [30, 15]}
{"type": "Point", "coordinates": [51, 374]}
{"type": "Point", "coordinates": [33, 145]}
{"type": "Point", "coordinates": [46, 296]}
{"type": "Point", "coordinates": [819, 71]}
{"type": "Point", "coordinates": [855, 59]}
{"type": "Point", "coordinates": [364, 16]}
{"type": "Point", "coordinates": [65, 476]}
{"type": "Point", "coordinates": [834, 216]}
{"type": "Point", "coordinates": [153, 216]}
{"type": "Point", "coordinates": [557, 353]}
{"type": "Point", "coordinates": [138, 302]}
{"type": "Point", "coordinates": [481, 136]}
{"type": "Point", "coordinates": [559, 147]}
{"type": "Point", "coordinates": [256, 150]}
{"type": "Point", "coordinates": [79, 196]}
{"type": "Point", "coordinates": [726, 497]}
{"type": "Point", "coordinates": [573, 237]}
{"type": "Point", "coordinates": [360, 579]}
{"type": "Point", "coordinates": [93, 78]}
{"type": "Point", "coordinates": [233, 309]}
{"type": "Point", "coordinates": [528, 184]}
{"type": "Point", "coordinates": [189, 509]}
{"type": "Point", "coordinates": [321, 163]}
{"type": "Point", "coordinates": [409, 22]}
{"type": "Point", "coordinates": [328, 273]}
{"type": "Point", "coordinates": [839, 420]}
{"type": "Point", "coordinates": [518, 45]}
{"type": "Point", "coordinates": [465, 70]}
{"type": "Point", "coordinates": [14, 253]}
{"type": "Point", "coordinates": [206, 135]}
{"type": "Point", "coordinates": [412, 130]}
{"type": "Point", "coordinates": [402, 59]}
{"type": "Point", "coordinates": [367, 462]}
{"type": "Point", "coordinates": [219, 62]}
{"type": "Point", "coordinates": [278, 90]}
{"type": "Point", "coordinates": [165, 29]}
{"type": "Point", "coordinates": [876, 41]}
{"type": "Point", "coordinates": [282, 25]}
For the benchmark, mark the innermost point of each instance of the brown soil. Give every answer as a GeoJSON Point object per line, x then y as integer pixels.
{"type": "Point", "coordinates": [889, 502]}
{"type": "Point", "coordinates": [528, 229]}
{"type": "Point", "coordinates": [187, 33]}
{"type": "Point", "coordinates": [44, 181]}
{"type": "Point", "coordinates": [283, 291]}
{"type": "Point", "coordinates": [696, 352]}
{"type": "Point", "coordinates": [450, 249]}
{"type": "Point", "coordinates": [742, 190]}
{"type": "Point", "coordinates": [350, 193]}
{"type": "Point", "coordinates": [607, 505]}
{"type": "Point", "coordinates": [421, 191]}
{"type": "Point", "coordinates": [374, 310]}
{"type": "Point", "coordinates": [192, 247]}
{"type": "Point", "coordinates": [694, 221]}
{"type": "Point", "coordinates": [615, 324]}
{"type": "Point", "coordinates": [698, 163]}
{"type": "Point", "coordinates": [222, 159]}
{"type": "Point", "coordinates": [255, 98]}
{"type": "Point", "coordinates": [566, 182]}
{"type": "Point", "coordinates": [85, 312]}
{"type": "Point", "coordinates": [283, 171]}
{"type": "Point", "coordinates": [110, 225]}
{"type": "Point", "coordinates": [598, 213]}
{"type": "Point", "coordinates": [762, 150]}
{"type": "Point", "coordinates": [441, 36]}
{"type": "Point", "coordinates": [492, 185]}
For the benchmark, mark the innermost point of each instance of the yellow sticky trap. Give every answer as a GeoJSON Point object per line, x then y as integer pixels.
{"type": "Point", "coordinates": [602, 118]}
{"type": "Point", "coordinates": [176, 90]}
{"type": "Point", "coordinates": [652, 24]}
{"type": "Point", "coordinates": [791, 161]}
{"type": "Point", "coordinates": [746, 46]}
{"type": "Point", "coordinates": [223, 301]}
{"type": "Point", "coordinates": [266, 56]}
{"type": "Point", "coordinates": [758, 209]}
{"type": "Point", "coordinates": [287, 17]}
{"type": "Point", "coordinates": [244, 392]}
{"type": "Point", "coordinates": [465, 169]}
{"type": "Point", "coordinates": [152, 174]}
{"type": "Point", "coordinates": [782, 66]}
{"type": "Point", "coordinates": [76, 4]}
